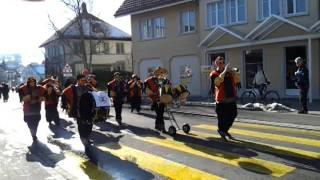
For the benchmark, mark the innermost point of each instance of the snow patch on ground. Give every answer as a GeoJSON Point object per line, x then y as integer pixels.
{"type": "Point", "coordinates": [274, 107]}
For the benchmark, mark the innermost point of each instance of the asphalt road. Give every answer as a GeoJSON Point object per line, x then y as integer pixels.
{"type": "Point", "coordinates": [137, 151]}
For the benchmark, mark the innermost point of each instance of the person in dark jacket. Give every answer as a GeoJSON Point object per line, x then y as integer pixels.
{"type": "Point", "coordinates": [302, 82]}
{"type": "Point", "coordinates": [5, 92]}
{"type": "Point", "coordinates": [80, 105]}
{"type": "Point", "coordinates": [117, 90]}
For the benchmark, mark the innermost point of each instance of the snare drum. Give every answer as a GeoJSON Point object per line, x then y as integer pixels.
{"type": "Point", "coordinates": [181, 92]}
{"type": "Point", "coordinates": [166, 94]}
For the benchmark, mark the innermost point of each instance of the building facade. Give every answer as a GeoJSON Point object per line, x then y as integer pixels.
{"type": "Point", "coordinates": [187, 33]}
{"type": "Point", "coordinates": [106, 47]}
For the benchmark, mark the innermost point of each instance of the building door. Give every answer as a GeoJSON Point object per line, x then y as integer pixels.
{"type": "Point", "coordinates": [252, 59]}
{"type": "Point", "coordinates": [290, 67]}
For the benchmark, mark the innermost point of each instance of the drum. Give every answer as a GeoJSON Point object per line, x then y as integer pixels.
{"type": "Point", "coordinates": [166, 94]}
{"type": "Point", "coordinates": [182, 93]}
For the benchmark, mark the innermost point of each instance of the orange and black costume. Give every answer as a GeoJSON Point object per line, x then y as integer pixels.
{"type": "Point", "coordinates": [117, 90]}
{"type": "Point", "coordinates": [135, 92]}
{"type": "Point", "coordinates": [225, 97]}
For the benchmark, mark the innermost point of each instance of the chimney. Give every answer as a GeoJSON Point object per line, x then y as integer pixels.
{"type": "Point", "coordinates": [84, 8]}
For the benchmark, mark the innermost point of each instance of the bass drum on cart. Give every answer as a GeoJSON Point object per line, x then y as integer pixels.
{"type": "Point", "coordinates": [166, 94]}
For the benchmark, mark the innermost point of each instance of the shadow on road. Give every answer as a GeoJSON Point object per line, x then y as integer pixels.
{"type": "Point", "coordinates": [39, 152]}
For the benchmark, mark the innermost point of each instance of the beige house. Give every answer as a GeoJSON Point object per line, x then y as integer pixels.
{"type": "Point", "coordinates": [107, 47]}
{"type": "Point", "coordinates": [187, 33]}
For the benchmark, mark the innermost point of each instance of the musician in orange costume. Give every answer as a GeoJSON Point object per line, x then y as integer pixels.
{"type": "Point", "coordinates": [117, 90]}
{"type": "Point", "coordinates": [152, 86]}
{"type": "Point", "coordinates": [135, 86]}
{"type": "Point", "coordinates": [224, 82]}
{"type": "Point", "coordinates": [32, 96]}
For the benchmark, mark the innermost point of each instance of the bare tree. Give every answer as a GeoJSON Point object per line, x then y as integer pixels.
{"type": "Point", "coordinates": [79, 8]}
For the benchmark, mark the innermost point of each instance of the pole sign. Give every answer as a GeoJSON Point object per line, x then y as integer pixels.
{"type": "Point", "coordinates": [67, 71]}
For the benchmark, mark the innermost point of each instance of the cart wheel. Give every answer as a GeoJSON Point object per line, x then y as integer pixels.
{"type": "Point", "coordinates": [186, 128]}
{"type": "Point", "coordinates": [172, 131]}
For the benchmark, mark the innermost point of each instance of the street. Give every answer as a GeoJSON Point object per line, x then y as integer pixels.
{"type": "Point", "coordinates": [137, 151]}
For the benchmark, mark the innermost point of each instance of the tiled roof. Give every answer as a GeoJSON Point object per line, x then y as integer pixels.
{"type": "Point", "coordinates": [131, 6]}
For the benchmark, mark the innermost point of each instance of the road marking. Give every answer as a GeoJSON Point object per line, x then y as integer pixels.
{"type": "Point", "coordinates": [279, 129]}
{"type": "Point", "coordinates": [274, 137]}
{"type": "Point", "coordinates": [81, 168]}
{"type": "Point", "coordinates": [250, 164]}
{"type": "Point", "coordinates": [259, 146]}
{"type": "Point", "coordinates": [164, 167]}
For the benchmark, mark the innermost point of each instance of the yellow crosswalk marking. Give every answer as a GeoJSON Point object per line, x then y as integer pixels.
{"type": "Point", "coordinates": [81, 168]}
{"type": "Point", "coordinates": [279, 129]}
{"type": "Point", "coordinates": [260, 146]}
{"type": "Point", "coordinates": [274, 137]}
{"type": "Point", "coordinates": [166, 168]}
{"type": "Point", "coordinates": [251, 164]}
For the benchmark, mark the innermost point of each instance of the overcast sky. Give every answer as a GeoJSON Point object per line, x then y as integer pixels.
{"type": "Point", "coordinates": [25, 25]}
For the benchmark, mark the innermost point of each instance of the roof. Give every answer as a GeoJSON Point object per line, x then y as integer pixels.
{"type": "Point", "coordinates": [134, 6]}
{"type": "Point", "coordinates": [269, 25]}
{"type": "Point", "coordinates": [94, 28]}
{"type": "Point", "coordinates": [315, 27]}
{"type": "Point", "coordinates": [216, 34]}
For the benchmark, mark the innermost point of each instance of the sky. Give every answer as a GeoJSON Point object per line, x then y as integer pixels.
{"type": "Point", "coordinates": [25, 25]}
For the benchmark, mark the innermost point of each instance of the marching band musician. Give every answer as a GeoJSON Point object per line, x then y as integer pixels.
{"type": "Point", "coordinates": [153, 85]}
{"type": "Point", "coordinates": [224, 82]}
{"type": "Point", "coordinates": [135, 91]}
{"type": "Point", "coordinates": [32, 95]}
{"type": "Point", "coordinates": [117, 90]}
{"type": "Point", "coordinates": [51, 100]}
{"type": "Point", "coordinates": [80, 105]}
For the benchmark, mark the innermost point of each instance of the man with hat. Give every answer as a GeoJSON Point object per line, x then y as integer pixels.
{"type": "Point", "coordinates": [153, 84]}
{"type": "Point", "coordinates": [135, 91]}
{"type": "Point", "coordinates": [117, 90]}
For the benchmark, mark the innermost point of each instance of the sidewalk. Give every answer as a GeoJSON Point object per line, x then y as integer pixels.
{"type": "Point", "coordinates": [314, 107]}
{"type": "Point", "coordinates": [282, 118]}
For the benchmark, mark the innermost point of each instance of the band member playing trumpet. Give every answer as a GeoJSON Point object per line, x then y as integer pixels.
{"type": "Point", "coordinates": [224, 81]}
{"type": "Point", "coordinates": [158, 88]}
{"type": "Point", "coordinates": [117, 90]}
{"type": "Point", "coordinates": [135, 91]}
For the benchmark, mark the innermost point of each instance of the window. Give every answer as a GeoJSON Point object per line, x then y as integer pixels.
{"type": "Point", "coordinates": [296, 7]}
{"type": "Point", "coordinates": [152, 28]}
{"type": "Point", "coordinates": [147, 29]}
{"type": "Point", "coordinates": [215, 13]}
{"type": "Point", "coordinates": [237, 11]}
{"type": "Point", "coordinates": [120, 48]}
{"type": "Point", "coordinates": [101, 47]}
{"type": "Point", "coordinates": [158, 27]}
{"type": "Point", "coordinates": [268, 7]}
{"type": "Point", "coordinates": [188, 21]}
